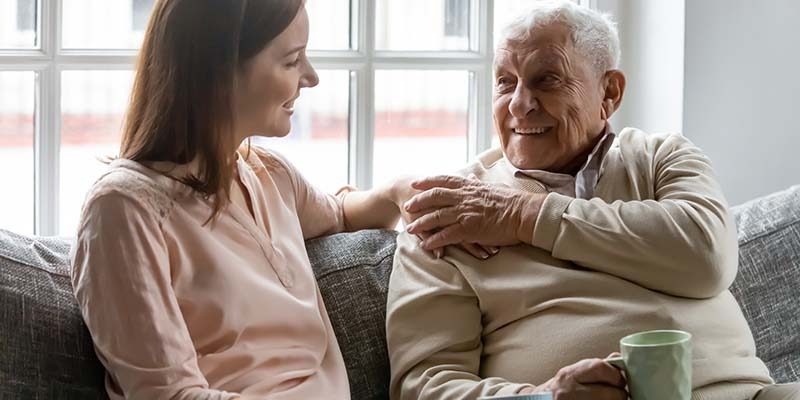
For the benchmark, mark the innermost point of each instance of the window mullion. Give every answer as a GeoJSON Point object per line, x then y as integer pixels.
{"type": "Point", "coordinates": [362, 138]}
{"type": "Point", "coordinates": [47, 134]}
{"type": "Point", "coordinates": [481, 128]}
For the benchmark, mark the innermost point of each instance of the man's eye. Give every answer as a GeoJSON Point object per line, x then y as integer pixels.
{"type": "Point", "coordinates": [549, 79]}
{"type": "Point", "coordinates": [503, 81]}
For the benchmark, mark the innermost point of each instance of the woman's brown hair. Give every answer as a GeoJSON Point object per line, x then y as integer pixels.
{"type": "Point", "coordinates": [182, 101]}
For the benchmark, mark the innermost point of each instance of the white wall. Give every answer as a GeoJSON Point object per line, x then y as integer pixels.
{"type": "Point", "coordinates": [651, 33]}
{"type": "Point", "coordinates": [726, 74]}
{"type": "Point", "coordinates": [742, 92]}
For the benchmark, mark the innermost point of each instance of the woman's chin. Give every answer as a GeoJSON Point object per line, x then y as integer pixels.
{"type": "Point", "coordinates": [275, 133]}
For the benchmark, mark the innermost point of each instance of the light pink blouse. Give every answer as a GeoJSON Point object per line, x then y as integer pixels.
{"type": "Point", "coordinates": [182, 310]}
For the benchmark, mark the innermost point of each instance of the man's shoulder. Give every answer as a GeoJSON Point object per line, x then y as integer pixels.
{"type": "Point", "coordinates": [635, 139]}
{"type": "Point", "coordinates": [409, 256]}
{"type": "Point", "coordinates": [491, 165]}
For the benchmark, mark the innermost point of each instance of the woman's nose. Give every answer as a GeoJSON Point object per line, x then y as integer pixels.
{"type": "Point", "coordinates": [310, 77]}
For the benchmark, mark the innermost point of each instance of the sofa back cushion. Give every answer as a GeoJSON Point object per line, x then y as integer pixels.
{"type": "Point", "coordinates": [768, 284]}
{"type": "Point", "coordinates": [47, 352]}
{"type": "Point", "coordinates": [353, 273]}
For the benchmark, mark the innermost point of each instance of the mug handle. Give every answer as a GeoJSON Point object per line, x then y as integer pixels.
{"type": "Point", "coordinates": [617, 362]}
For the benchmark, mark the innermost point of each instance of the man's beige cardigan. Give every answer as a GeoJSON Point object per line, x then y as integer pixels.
{"type": "Point", "coordinates": [655, 249]}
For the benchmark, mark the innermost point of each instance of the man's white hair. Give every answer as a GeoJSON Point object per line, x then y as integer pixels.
{"type": "Point", "coordinates": [593, 33]}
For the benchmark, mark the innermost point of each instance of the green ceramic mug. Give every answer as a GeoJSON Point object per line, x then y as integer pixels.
{"type": "Point", "coordinates": [657, 364]}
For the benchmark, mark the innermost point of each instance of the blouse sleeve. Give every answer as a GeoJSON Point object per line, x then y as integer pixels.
{"type": "Point", "coordinates": [320, 213]}
{"type": "Point", "coordinates": [121, 279]}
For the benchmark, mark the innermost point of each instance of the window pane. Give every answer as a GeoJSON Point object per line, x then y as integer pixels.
{"type": "Point", "coordinates": [18, 24]}
{"type": "Point", "coordinates": [423, 25]}
{"type": "Point", "coordinates": [330, 24]}
{"type": "Point", "coordinates": [420, 122]}
{"type": "Point", "coordinates": [105, 24]}
{"type": "Point", "coordinates": [140, 10]}
{"type": "Point", "coordinates": [92, 105]}
{"type": "Point", "coordinates": [16, 150]}
{"type": "Point", "coordinates": [317, 144]}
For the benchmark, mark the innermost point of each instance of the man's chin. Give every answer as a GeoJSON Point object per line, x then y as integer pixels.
{"type": "Point", "coordinates": [525, 160]}
{"type": "Point", "coordinates": [529, 163]}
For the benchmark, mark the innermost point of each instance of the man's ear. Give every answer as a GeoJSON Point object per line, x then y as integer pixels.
{"type": "Point", "coordinates": [614, 85]}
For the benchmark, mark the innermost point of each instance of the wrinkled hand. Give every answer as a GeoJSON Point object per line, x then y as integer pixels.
{"type": "Point", "coordinates": [592, 379]}
{"type": "Point", "coordinates": [402, 191]}
{"type": "Point", "coordinates": [462, 210]}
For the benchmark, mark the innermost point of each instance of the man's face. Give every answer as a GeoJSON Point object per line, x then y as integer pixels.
{"type": "Point", "coordinates": [548, 101]}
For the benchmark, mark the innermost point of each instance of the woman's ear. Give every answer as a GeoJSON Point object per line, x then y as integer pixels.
{"type": "Point", "coordinates": [614, 85]}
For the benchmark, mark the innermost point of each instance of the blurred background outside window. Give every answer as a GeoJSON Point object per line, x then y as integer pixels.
{"type": "Point", "coordinates": [422, 107]}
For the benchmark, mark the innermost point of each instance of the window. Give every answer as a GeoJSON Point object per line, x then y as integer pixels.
{"type": "Point", "coordinates": [141, 14]}
{"type": "Point", "coordinates": [26, 15]}
{"type": "Point", "coordinates": [405, 88]}
{"type": "Point", "coordinates": [456, 22]}
{"type": "Point", "coordinates": [16, 149]}
{"type": "Point", "coordinates": [18, 24]}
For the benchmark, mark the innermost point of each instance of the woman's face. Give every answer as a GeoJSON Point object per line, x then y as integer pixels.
{"type": "Point", "coordinates": [270, 82]}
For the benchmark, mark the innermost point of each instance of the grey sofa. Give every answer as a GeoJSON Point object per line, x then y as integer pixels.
{"type": "Point", "coordinates": [46, 351]}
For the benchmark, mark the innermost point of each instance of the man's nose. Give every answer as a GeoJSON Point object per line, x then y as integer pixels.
{"type": "Point", "coordinates": [523, 102]}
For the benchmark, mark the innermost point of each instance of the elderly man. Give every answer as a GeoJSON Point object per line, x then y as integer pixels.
{"type": "Point", "coordinates": [607, 235]}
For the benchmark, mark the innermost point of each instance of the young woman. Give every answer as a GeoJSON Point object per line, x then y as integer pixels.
{"type": "Point", "coordinates": [189, 264]}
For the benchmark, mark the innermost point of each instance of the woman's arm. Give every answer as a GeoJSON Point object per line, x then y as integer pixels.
{"type": "Point", "coordinates": [376, 208]}
{"type": "Point", "coordinates": [383, 207]}
{"type": "Point", "coordinates": [349, 210]}
{"type": "Point", "coordinates": [121, 279]}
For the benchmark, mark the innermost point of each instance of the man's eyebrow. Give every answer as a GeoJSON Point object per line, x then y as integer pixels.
{"type": "Point", "coordinates": [549, 60]}
{"type": "Point", "coordinates": [503, 57]}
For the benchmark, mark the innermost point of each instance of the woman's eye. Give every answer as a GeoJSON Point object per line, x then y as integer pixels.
{"type": "Point", "coordinates": [294, 63]}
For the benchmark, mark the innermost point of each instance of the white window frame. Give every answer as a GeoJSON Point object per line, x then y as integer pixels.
{"type": "Point", "coordinates": [50, 60]}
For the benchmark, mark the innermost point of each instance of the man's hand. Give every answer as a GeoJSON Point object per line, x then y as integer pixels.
{"type": "Point", "coordinates": [401, 190]}
{"type": "Point", "coordinates": [592, 379]}
{"type": "Point", "coordinates": [461, 210]}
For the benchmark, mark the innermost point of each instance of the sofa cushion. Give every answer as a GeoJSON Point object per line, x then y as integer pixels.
{"type": "Point", "coordinates": [47, 351]}
{"type": "Point", "coordinates": [353, 273]}
{"type": "Point", "coordinates": [768, 284]}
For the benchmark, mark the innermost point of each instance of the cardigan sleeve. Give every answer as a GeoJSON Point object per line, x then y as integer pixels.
{"type": "Point", "coordinates": [679, 238]}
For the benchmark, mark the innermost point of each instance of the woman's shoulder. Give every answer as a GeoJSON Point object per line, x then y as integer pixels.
{"type": "Point", "coordinates": [261, 159]}
{"type": "Point", "coordinates": [129, 183]}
